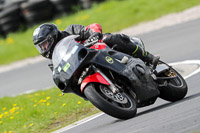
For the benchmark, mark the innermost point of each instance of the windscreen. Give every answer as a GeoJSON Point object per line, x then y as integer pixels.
{"type": "Point", "coordinates": [61, 49]}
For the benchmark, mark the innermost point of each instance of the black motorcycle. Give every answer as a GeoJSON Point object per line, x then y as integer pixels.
{"type": "Point", "coordinates": [114, 82]}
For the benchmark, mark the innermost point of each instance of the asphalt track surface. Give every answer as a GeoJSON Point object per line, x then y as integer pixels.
{"type": "Point", "coordinates": [174, 44]}
{"type": "Point", "coordinates": [26, 79]}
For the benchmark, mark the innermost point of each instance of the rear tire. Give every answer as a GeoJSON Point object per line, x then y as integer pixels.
{"type": "Point", "coordinates": [109, 106]}
{"type": "Point", "coordinates": [175, 90]}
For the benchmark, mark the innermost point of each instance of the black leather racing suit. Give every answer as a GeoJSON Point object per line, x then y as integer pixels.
{"type": "Point", "coordinates": [84, 31]}
{"type": "Point", "coordinates": [121, 42]}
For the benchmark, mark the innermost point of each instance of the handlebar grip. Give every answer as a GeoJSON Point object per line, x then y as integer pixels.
{"type": "Point", "coordinates": [91, 43]}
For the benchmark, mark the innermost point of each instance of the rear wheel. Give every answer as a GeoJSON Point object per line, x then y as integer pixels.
{"type": "Point", "coordinates": [176, 88]}
{"type": "Point", "coordinates": [119, 105]}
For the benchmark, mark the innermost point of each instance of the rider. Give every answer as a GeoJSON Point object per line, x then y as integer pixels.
{"type": "Point", "coordinates": [47, 35]}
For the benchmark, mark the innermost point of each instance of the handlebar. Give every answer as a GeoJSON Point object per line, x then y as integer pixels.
{"type": "Point", "coordinates": [89, 44]}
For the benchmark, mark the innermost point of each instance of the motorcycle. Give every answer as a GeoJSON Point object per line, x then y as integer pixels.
{"type": "Point", "coordinates": [114, 82]}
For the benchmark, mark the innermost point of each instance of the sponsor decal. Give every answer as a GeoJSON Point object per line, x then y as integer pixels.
{"type": "Point", "coordinates": [109, 59]}
{"type": "Point", "coordinates": [59, 69]}
{"type": "Point", "coordinates": [66, 67]}
{"type": "Point", "coordinates": [74, 49]}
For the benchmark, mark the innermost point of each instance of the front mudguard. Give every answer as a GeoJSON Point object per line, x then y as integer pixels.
{"type": "Point", "coordinates": [97, 77]}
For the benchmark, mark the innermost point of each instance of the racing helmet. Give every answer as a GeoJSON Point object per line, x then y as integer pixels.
{"type": "Point", "coordinates": [45, 38]}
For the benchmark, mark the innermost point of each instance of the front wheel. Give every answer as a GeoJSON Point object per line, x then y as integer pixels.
{"type": "Point", "coordinates": [176, 88]}
{"type": "Point", "coordinates": [119, 105]}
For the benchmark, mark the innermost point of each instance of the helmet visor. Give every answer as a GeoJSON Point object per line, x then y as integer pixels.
{"type": "Point", "coordinates": [45, 45]}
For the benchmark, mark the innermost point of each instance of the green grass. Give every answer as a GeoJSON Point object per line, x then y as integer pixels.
{"type": "Point", "coordinates": [113, 15]}
{"type": "Point", "coordinates": [42, 111]}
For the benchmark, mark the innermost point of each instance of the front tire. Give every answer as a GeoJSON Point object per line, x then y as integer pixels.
{"type": "Point", "coordinates": [176, 88]}
{"type": "Point", "coordinates": [125, 109]}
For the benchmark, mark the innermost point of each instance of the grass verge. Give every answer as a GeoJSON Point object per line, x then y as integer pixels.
{"type": "Point", "coordinates": [113, 15]}
{"type": "Point", "coordinates": [42, 111]}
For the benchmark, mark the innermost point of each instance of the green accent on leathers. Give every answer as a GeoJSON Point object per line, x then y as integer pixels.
{"type": "Point", "coordinates": [135, 50]}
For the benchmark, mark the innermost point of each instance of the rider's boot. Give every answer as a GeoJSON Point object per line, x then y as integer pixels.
{"type": "Point", "coordinates": [146, 56]}
{"type": "Point", "coordinates": [152, 59]}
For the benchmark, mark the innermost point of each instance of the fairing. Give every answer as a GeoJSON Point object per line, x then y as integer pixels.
{"type": "Point", "coordinates": [67, 58]}
{"type": "Point", "coordinates": [70, 58]}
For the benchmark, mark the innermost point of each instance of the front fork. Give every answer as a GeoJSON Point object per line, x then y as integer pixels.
{"type": "Point", "coordinates": [99, 77]}
{"type": "Point", "coordinates": [112, 87]}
